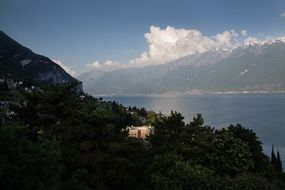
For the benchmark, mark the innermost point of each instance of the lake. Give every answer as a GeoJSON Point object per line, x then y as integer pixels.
{"type": "Point", "coordinates": [263, 113]}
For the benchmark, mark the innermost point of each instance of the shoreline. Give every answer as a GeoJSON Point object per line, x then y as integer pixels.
{"type": "Point", "coordinates": [176, 94]}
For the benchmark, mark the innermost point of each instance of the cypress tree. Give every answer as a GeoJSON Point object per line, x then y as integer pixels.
{"type": "Point", "coordinates": [273, 158]}
{"type": "Point", "coordinates": [279, 162]}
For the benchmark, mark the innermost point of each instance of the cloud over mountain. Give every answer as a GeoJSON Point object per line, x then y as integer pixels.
{"type": "Point", "coordinates": [243, 32]}
{"type": "Point", "coordinates": [108, 65]}
{"type": "Point", "coordinates": [168, 44]}
{"type": "Point", "coordinates": [172, 43]}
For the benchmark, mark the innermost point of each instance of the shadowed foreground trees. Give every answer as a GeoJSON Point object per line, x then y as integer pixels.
{"type": "Point", "coordinates": [27, 160]}
{"type": "Point", "coordinates": [230, 158]}
{"type": "Point", "coordinates": [58, 141]}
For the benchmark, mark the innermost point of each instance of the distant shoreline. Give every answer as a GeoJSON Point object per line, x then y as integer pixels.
{"type": "Point", "coordinates": [175, 94]}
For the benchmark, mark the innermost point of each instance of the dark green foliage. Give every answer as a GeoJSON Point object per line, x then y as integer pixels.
{"type": "Point", "coordinates": [94, 147]}
{"type": "Point", "coordinates": [140, 111]}
{"type": "Point", "coordinates": [198, 121]}
{"type": "Point", "coordinates": [273, 157]}
{"type": "Point", "coordinates": [4, 90]}
{"type": "Point", "coordinates": [167, 133]}
{"type": "Point", "coordinates": [59, 141]}
{"type": "Point", "coordinates": [3, 86]}
{"type": "Point", "coordinates": [279, 163]}
{"type": "Point", "coordinates": [197, 142]}
{"type": "Point", "coordinates": [28, 161]}
{"type": "Point", "coordinates": [169, 171]}
{"type": "Point", "coordinates": [251, 181]}
{"type": "Point", "coordinates": [229, 152]}
{"type": "Point", "coordinates": [276, 161]}
{"type": "Point", "coordinates": [254, 144]}
{"type": "Point", "coordinates": [231, 156]}
{"type": "Point", "coordinates": [136, 116]}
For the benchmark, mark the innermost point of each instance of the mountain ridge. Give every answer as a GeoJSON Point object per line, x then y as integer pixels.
{"type": "Point", "coordinates": [254, 67]}
{"type": "Point", "coordinates": [21, 63]}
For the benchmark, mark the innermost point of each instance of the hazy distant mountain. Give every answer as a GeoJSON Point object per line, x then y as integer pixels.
{"type": "Point", "coordinates": [250, 67]}
{"type": "Point", "coordinates": [21, 63]}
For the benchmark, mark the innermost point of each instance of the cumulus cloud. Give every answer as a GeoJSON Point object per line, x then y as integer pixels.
{"type": "Point", "coordinates": [282, 14]}
{"type": "Point", "coordinates": [243, 33]}
{"type": "Point", "coordinates": [170, 43]}
{"type": "Point", "coordinates": [68, 69]}
{"type": "Point", "coordinates": [108, 65]}
{"type": "Point", "coordinates": [227, 39]}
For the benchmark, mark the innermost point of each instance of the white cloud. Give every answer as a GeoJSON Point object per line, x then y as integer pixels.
{"type": "Point", "coordinates": [227, 39]}
{"type": "Point", "coordinates": [68, 69]}
{"type": "Point", "coordinates": [252, 40]}
{"type": "Point", "coordinates": [282, 14]}
{"type": "Point", "coordinates": [108, 65]}
{"type": "Point", "coordinates": [170, 43]}
{"type": "Point", "coordinates": [243, 33]}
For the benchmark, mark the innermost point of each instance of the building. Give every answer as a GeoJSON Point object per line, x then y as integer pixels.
{"type": "Point", "coordinates": [82, 97]}
{"type": "Point", "coordinates": [140, 132]}
{"type": "Point", "coordinates": [4, 105]}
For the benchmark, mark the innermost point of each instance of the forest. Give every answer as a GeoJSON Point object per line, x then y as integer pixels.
{"type": "Point", "coordinates": [57, 139]}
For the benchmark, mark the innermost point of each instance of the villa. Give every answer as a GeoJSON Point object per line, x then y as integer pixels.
{"type": "Point", "coordinates": [140, 132]}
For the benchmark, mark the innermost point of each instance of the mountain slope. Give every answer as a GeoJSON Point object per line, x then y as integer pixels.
{"type": "Point", "coordinates": [251, 67]}
{"type": "Point", "coordinates": [21, 63]}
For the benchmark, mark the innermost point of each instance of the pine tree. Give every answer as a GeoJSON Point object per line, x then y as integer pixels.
{"type": "Point", "coordinates": [279, 162]}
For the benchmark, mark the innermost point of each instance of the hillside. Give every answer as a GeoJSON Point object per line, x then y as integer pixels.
{"type": "Point", "coordinates": [58, 140]}
{"type": "Point", "coordinates": [20, 63]}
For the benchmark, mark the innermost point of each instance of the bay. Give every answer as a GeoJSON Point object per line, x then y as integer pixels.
{"type": "Point", "coordinates": [263, 113]}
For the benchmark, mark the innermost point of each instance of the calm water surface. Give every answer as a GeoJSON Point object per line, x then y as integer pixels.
{"type": "Point", "coordinates": [263, 113]}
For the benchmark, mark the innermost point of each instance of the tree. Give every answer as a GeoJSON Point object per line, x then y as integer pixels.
{"type": "Point", "coordinates": [254, 144]}
{"type": "Point", "coordinates": [167, 133]}
{"type": "Point", "coordinates": [279, 163]}
{"type": "Point", "coordinates": [28, 161]}
{"type": "Point", "coordinates": [197, 141]}
{"type": "Point", "coordinates": [198, 121]}
{"type": "Point", "coordinates": [231, 156]}
{"type": "Point", "coordinates": [168, 171]}
{"type": "Point", "coordinates": [273, 158]}
{"type": "Point", "coordinates": [63, 143]}
{"type": "Point", "coordinates": [4, 86]}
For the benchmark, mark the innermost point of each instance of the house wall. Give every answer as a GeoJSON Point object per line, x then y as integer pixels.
{"type": "Point", "coordinates": [140, 132]}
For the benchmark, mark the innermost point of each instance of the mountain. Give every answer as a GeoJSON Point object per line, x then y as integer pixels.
{"type": "Point", "coordinates": [19, 62]}
{"type": "Point", "coordinates": [252, 67]}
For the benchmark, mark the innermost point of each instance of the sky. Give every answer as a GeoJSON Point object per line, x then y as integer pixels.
{"type": "Point", "coordinates": [82, 35]}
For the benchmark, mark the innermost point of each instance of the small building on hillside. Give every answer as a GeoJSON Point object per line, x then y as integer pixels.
{"type": "Point", "coordinates": [4, 105]}
{"type": "Point", "coordinates": [140, 132]}
{"type": "Point", "coordinates": [82, 97]}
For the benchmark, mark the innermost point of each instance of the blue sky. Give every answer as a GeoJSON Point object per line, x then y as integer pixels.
{"type": "Point", "coordinates": [81, 32]}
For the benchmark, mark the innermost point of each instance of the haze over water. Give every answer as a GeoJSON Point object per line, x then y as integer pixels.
{"type": "Point", "coordinates": [263, 113]}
